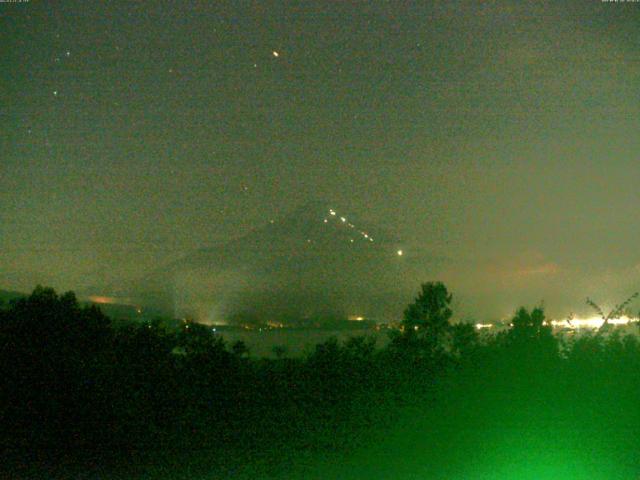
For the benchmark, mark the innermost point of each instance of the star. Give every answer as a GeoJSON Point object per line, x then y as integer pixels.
{"type": "Point", "coordinates": [55, 93]}
{"type": "Point", "coordinates": [68, 53]}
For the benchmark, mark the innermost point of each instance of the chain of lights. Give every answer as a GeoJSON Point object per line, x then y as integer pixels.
{"type": "Point", "coordinates": [332, 213]}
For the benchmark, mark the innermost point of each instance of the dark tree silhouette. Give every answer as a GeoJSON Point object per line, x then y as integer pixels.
{"type": "Point", "coordinates": [240, 349]}
{"type": "Point", "coordinates": [198, 340]}
{"type": "Point", "coordinates": [51, 347]}
{"type": "Point", "coordinates": [463, 339]}
{"type": "Point", "coordinates": [426, 320]}
{"type": "Point", "coordinates": [531, 335]}
{"type": "Point", "coordinates": [279, 351]}
{"type": "Point", "coordinates": [529, 325]}
{"type": "Point", "coordinates": [74, 382]}
{"type": "Point", "coordinates": [430, 310]}
{"type": "Point", "coordinates": [615, 312]}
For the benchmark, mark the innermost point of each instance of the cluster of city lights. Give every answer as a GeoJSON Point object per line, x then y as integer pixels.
{"type": "Point", "coordinates": [592, 322]}
{"type": "Point", "coordinates": [482, 326]}
{"type": "Point", "coordinates": [575, 323]}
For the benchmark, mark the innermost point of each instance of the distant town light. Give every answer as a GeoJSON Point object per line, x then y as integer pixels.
{"type": "Point", "coordinates": [480, 326]}
{"type": "Point", "coordinates": [400, 253]}
{"type": "Point", "coordinates": [592, 322]}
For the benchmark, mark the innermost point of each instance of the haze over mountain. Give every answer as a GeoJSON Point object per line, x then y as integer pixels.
{"type": "Point", "coordinates": [318, 262]}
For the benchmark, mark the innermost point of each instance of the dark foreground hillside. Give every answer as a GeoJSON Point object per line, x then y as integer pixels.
{"type": "Point", "coordinates": [83, 399]}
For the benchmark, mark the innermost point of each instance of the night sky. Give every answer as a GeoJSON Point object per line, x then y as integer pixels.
{"type": "Point", "coordinates": [501, 136]}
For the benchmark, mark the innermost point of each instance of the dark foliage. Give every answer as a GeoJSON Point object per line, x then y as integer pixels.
{"type": "Point", "coordinates": [81, 393]}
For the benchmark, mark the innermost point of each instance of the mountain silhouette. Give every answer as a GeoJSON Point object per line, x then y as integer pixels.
{"type": "Point", "coordinates": [317, 262]}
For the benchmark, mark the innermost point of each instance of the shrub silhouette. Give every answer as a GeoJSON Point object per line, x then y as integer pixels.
{"type": "Point", "coordinates": [78, 385]}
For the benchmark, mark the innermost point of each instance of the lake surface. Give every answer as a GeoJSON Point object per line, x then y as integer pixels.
{"type": "Point", "coordinates": [296, 342]}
